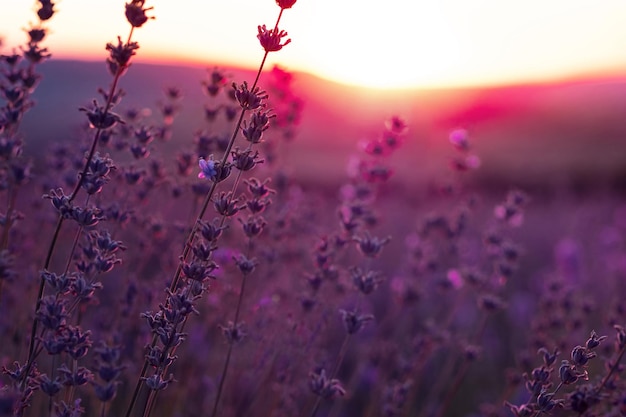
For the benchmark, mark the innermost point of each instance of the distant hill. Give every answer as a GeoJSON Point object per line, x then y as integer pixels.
{"type": "Point", "coordinates": [570, 132]}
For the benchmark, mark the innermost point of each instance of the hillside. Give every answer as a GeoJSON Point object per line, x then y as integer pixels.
{"type": "Point", "coordinates": [568, 132]}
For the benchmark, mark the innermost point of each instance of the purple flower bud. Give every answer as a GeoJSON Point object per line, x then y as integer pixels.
{"type": "Point", "coordinates": [594, 340]}
{"type": "Point", "coordinates": [321, 385]}
{"type": "Point", "coordinates": [75, 378]}
{"type": "Point", "coordinates": [549, 358]}
{"type": "Point", "coordinates": [245, 265]}
{"type": "Point", "coordinates": [99, 118]}
{"type": "Point", "coordinates": [366, 282]}
{"type": "Point", "coordinates": [157, 383]}
{"type": "Point", "coordinates": [258, 188]}
{"type": "Point", "coordinates": [52, 312]}
{"type": "Point", "coordinates": [567, 373]}
{"type": "Point", "coordinates": [253, 226]}
{"type": "Point", "coordinates": [211, 231]}
{"type": "Point", "coordinates": [226, 205]}
{"type": "Point", "coordinates": [249, 99]}
{"type": "Point", "coordinates": [354, 322]}
{"type": "Point", "coordinates": [198, 271]}
{"type": "Point", "coordinates": [371, 246]}
{"type": "Point", "coordinates": [120, 55]}
{"type": "Point", "coordinates": [48, 386]}
{"type": "Point", "coordinates": [207, 168]}
{"type": "Point", "coordinates": [245, 160]}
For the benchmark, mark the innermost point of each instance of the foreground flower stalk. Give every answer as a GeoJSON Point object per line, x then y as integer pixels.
{"type": "Point", "coordinates": [250, 99]}
{"type": "Point", "coordinates": [101, 119]}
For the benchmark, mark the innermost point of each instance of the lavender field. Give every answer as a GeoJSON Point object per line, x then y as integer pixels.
{"type": "Point", "coordinates": [223, 242]}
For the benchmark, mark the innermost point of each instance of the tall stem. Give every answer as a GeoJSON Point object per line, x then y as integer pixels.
{"type": "Point", "coordinates": [614, 368]}
{"type": "Point", "coordinates": [55, 236]}
{"type": "Point", "coordinates": [230, 349]}
{"type": "Point", "coordinates": [194, 229]}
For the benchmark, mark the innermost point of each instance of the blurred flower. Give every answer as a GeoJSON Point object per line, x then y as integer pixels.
{"type": "Point", "coordinates": [46, 10]}
{"type": "Point", "coordinates": [465, 163]}
{"type": "Point", "coordinates": [36, 34]}
{"type": "Point", "coordinates": [324, 386]}
{"type": "Point", "coordinates": [396, 125]}
{"type": "Point", "coordinates": [459, 138]}
{"type": "Point", "coordinates": [353, 322]}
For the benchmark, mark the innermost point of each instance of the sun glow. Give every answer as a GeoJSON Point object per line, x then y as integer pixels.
{"type": "Point", "coordinates": [391, 44]}
{"type": "Point", "coordinates": [414, 45]}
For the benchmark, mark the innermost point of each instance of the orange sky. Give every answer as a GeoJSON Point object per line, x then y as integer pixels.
{"type": "Point", "coordinates": [395, 43]}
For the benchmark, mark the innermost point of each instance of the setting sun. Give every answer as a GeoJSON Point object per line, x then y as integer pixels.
{"type": "Point", "coordinates": [395, 44]}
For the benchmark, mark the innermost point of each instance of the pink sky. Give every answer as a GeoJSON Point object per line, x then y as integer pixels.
{"type": "Point", "coordinates": [396, 43]}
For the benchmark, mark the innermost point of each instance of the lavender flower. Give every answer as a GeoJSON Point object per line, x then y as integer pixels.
{"type": "Point", "coordinates": [271, 39]}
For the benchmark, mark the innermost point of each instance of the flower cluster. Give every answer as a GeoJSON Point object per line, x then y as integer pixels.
{"type": "Point", "coordinates": [539, 382]}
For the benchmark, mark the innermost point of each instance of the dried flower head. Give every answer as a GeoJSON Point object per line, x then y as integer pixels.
{"type": "Point", "coordinates": [119, 56]}
{"type": "Point", "coordinates": [271, 39]}
{"type": "Point", "coordinates": [136, 13]}
{"type": "Point", "coordinates": [101, 118]}
{"type": "Point", "coordinates": [249, 99]}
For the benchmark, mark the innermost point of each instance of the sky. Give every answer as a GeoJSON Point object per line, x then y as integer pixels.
{"type": "Point", "coordinates": [379, 44]}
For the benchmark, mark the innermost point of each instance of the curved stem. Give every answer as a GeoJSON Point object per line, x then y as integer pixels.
{"type": "Point", "coordinates": [230, 349]}
{"type": "Point", "coordinates": [40, 291]}
{"type": "Point", "coordinates": [190, 239]}
{"type": "Point", "coordinates": [614, 367]}
{"type": "Point", "coordinates": [237, 313]}
{"type": "Point", "coordinates": [79, 183]}
{"type": "Point", "coordinates": [192, 234]}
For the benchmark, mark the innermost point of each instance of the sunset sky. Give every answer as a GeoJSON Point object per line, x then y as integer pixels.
{"type": "Point", "coordinates": [392, 43]}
